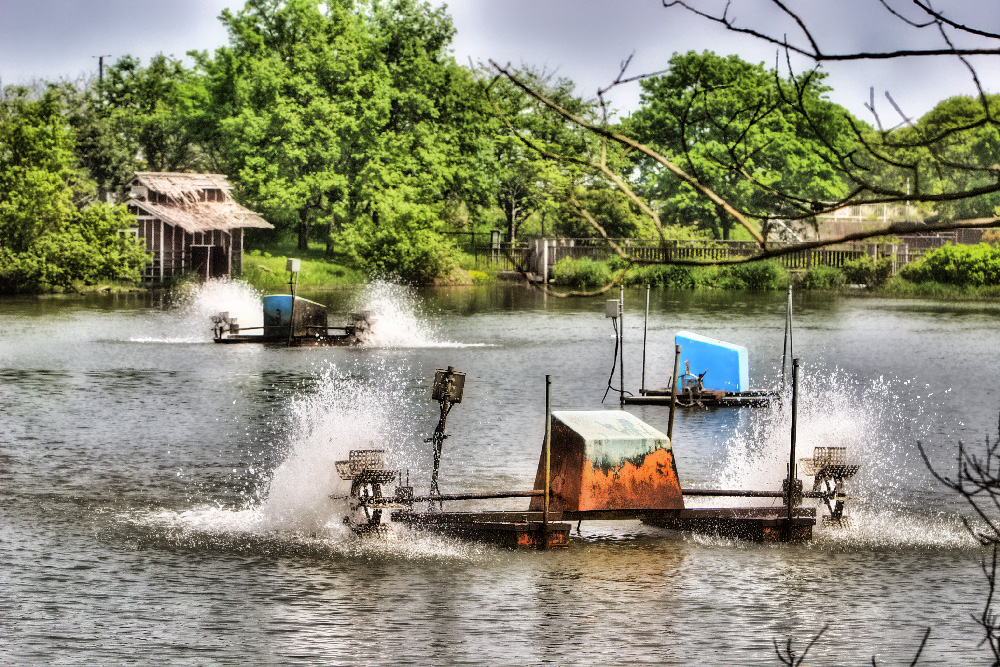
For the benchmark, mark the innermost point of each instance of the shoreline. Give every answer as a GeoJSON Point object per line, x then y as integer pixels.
{"type": "Point", "coordinates": [932, 292]}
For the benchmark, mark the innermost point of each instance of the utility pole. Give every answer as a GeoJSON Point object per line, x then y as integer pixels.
{"type": "Point", "coordinates": [100, 66]}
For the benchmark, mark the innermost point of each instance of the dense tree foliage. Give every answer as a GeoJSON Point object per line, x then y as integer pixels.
{"type": "Point", "coordinates": [732, 126]}
{"type": "Point", "coordinates": [51, 233]}
{"type": "Point", "coordinates": [525, 181]}
{"type": "Point", "coordinates": [954, 147]}
{"type": "Point", "coordinates": [349, 122]}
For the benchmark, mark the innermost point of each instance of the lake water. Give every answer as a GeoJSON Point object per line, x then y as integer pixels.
{"type": "Point", "coordinates": [165, 499]}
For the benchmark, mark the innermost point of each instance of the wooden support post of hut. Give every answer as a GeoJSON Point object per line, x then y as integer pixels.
{"type": "Point", "coordinates": [190, 222]}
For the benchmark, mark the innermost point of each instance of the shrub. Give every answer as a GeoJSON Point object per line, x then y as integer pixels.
{"type": "Point", "coordinates": [823, 277]}
{"type": "Point", "coordinates": [662, 275]}
{"type": "Point", "coordinates": [868, 271]}
{"type": "Point", "coordinates": [756, 276]}
{"type": "Point", "coordinates": [583, 273]}
{"type": "Point", "coordinates": [479, 277]}
{"type": "Point", "coordinates": [977, 266]}
{"type": "Point", "coordinates": [760, 276]}
{"type": "Point", "coordinates": [415, 256]}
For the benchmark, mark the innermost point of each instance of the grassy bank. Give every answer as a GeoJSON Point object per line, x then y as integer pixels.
{"type": "Point", "coordinates": [585, 273]}
{"type": "Point", "coordinates": [266, 270]}
{"type": "Point", "coordinates": [902, 288]}
{"type": "Point", "coordinates": [873, 277]}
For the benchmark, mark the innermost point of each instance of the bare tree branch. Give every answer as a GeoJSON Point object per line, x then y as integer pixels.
{"type": "Point", "coordinates": [814, 52]}
{"type": "Point", "coordinates": [787, 654]}
{"type": "Point", "coordinates": [625, 141]}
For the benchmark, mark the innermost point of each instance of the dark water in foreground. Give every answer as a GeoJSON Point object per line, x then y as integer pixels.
{"type": "Point", "coordinates": [165, 499]}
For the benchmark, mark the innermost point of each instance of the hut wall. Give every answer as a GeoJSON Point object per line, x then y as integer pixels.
{"type": "Point", "coordinates": [149, 230]}
{"type": "Point", "coordinates": [176, 250]}
{"type": "Point", "coordinates": [237, 251]}
{"type": "Point", "coordinates": [173, 250]}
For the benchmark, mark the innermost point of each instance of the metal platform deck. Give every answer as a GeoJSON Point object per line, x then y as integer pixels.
{"type": "Point", "coordinates": [707, 398]}
{"type": "Point", "coordinates": [514, 530]}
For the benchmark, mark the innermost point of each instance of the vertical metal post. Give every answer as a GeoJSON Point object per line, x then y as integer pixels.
{"type": "Point", "coordinates": [293, 281]}
{"type": "Point", "coordinates": [645, 323]}
{"type": "Point", "coordinates": [786, 348]}
{"type": "Point", "coordinates": [673, 394]}
{"type": "Point", "coordinates": [621, 347]}
{"type": "Point", "coordinates": [545, 261]}
{"type": "Point", "coordinates": [548, 461]}
{"type": "Point", "coordinates": [790, 495]}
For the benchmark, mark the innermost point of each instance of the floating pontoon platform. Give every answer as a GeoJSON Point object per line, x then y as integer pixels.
{"type": "Point", "coordinates": [725, 365]}
{"type": "Point", "coordinates": [292, 321]}
{"type": "Point", "coordinates": [597, 465]}
{"type": "Point", "coordinates": [708, 398]}
{"type": "Point", "coordinates": [513, 530]}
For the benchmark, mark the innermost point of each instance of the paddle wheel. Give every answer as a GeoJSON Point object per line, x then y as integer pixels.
{"type": "Point", "coordinates": [830, 468]}
{"type": "Point", "coordinates": [365, 469]}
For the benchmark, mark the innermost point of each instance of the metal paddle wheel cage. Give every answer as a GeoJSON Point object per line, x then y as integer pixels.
{"type": "Point", "coordinates": [365, 470]}
{"type": "Point", "coordinates": [830, 468]}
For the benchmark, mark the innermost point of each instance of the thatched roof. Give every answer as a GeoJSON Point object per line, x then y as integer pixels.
{"type": "Point", "coordinates": [186, 208]}
{"type": "Point", "coordinates": [181, 187]}
{"type": "Point", "coordinates": [205, 216]}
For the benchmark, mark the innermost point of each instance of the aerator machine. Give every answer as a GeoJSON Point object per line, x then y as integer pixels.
{"type": "Point", "coordinates": [292, 321]}
{"type": "Point", "coordinates": [596, 465]}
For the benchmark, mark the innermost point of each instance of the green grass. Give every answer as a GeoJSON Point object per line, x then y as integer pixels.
{"type": "Point", "coordinates": [900, 287]}
{"type": "Point", "coordinates": [266, 270]}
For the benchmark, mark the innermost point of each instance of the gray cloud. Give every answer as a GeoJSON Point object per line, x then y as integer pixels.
{"type": "Point", "coordinates": [584, 40]}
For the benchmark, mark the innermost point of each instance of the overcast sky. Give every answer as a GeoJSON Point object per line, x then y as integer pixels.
{"type": "Point", "coordinates": [584, 40]}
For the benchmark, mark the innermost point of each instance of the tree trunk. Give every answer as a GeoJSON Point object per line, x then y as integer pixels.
{"type": "Point", "coordinates": [330, 229]}
{"type": "Point", "coordinates": [512, 221]}
{"type": "Point", "coordinates": [303, 233]}
{"type": "Point", "coordinates": [724, 221]}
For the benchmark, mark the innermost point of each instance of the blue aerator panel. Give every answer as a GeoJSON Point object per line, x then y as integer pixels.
{"type": "Point", "coordinates": [726, 363]}
{"type": "Point", "coordinates": [277, 314]}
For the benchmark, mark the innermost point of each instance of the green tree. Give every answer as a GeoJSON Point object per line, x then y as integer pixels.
{"type": "Point", "coordinates": [293, 97]}
{"type": "Point", "coordinates": [733, 127]}
{"type": "Point", "coordinates": [525, 180]}
{"type": "Point", "coordinates": [49, 235]}
{"type": "Point", "coordinates": [100, 148]}
{"type": "Point", "coordinates": [608, 207]}
{"type": "Point", "coordinates": [153, 111]}
{"type": "Point", "coordinates": [429, 155]}
{"type": "Point", "coordinates": [351, 121]}
{"type": "Point", "coordinates": [959, 150]}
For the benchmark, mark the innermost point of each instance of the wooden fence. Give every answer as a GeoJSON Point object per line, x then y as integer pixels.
{"type": "Point", "coordinates": [539, 256]}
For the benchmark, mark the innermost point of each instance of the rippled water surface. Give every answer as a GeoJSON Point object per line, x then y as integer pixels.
{"type": "Point", "coordinates": [167, 500]}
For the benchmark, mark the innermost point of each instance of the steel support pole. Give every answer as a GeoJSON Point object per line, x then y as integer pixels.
{"type": "Point", "coordinates": [621, 348]}
{"type": "Point", "coordinates": [786, 348]}
{"type": "Point", "coordinates": [645, 324]}
{"type": "Point", "coordinates": [790, 491]}
{"type": "Point", "coordinates": [673, 394]}
{"type": "Point", "coordinates": [293, 283]}
{"type": "Point", "coordinates": [548, 461]}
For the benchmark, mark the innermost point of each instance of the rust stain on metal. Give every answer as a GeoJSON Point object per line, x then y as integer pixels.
{"type": "Point", "coordinates": [536, 539]}
{"type": "Point", "coordinates": [608, 461]}
{"type": "Point", "coordinates": [652, 484]}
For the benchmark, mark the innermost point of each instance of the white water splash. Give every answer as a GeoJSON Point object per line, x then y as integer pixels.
{"type": "Point", "coordinates": [396, 318]}
{"type": "Point", "coordinates": [866, 417]}
{"type": "Point", "coordinates": [239, 299]}
{"type": "Point", "coordinates": [365, 408]}
{"type": "Point", "coordinates": [189, 320]}
{"type": "Point", "coordinates": [348, 411]}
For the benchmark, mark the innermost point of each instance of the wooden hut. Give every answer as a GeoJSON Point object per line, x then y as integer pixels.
{"type": "Point", "coordinates": [189, 222]}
